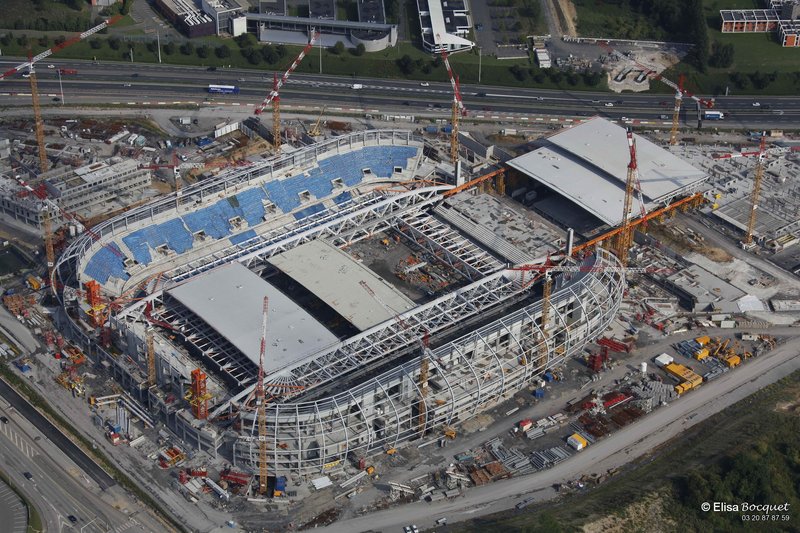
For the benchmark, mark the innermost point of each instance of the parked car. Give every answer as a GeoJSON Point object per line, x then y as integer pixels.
{"type": "Point", "coordinates": [4, 420]}
{"type": "Point", "coordinates": [72, 518]}
{"type": "Point", "coordinates": [27, 475]}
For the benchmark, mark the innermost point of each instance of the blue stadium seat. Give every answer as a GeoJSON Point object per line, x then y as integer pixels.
{"type": "Point", "coordinates": [242, 237]}
{"type": "Point", "coordinates": [106, 263]}
{"type": "Point", "coordinates": [308, 211]}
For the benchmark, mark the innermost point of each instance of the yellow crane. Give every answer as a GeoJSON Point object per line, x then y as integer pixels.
{"type": "Point", "coordinates": [754, 195]}
{"type": "Point", "coordinates": [315, 129]}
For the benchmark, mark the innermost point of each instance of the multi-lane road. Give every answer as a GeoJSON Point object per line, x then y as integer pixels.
{"type": "Point", "coordinates": [156, 85]}
{"type": "Point", "coordinates": [60, 487]}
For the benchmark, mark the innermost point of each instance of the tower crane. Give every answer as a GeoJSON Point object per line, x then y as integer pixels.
{"type": "Point", "coordinates": [625, 237]}
{"type": "Point", "coordinates": [274, 95]}
{"type": "Point", "coordinates": [29, 65]}
{"type": "Point", "coordinates": [261, 404]}
{"type": "Point", "coordinates": [47, 226]}
{"type": "Point", "coordinates": [761, 154]}
{"type": "Point", "coordinates": [754, 196]}
{"type": "Point", "coordinates": [680, 90]}
{"type": "Point", "coordinates": [422, 383]}
{"type": "Point", "coordinates": [458, 109]}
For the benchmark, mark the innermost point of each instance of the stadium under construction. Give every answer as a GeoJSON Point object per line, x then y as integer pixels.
{"type": "Point", "coordinates": [397, 307]}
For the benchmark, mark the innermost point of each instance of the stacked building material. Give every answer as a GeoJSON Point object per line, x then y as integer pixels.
{"type": "Point", "coordinates": [659, 392]}
{"type": "Point", "coordinates": [549, 458]}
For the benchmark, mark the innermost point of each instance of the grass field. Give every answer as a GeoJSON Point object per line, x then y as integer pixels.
{"type": "Point", "coordinates": [754, 421]}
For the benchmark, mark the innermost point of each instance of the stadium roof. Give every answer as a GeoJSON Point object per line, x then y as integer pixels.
{"type": "Point", "coordinates": [230, 300]}
{"type": "Point", "coordinates": [335, 277]}
{"type": "Point", "coordinates": [588, 164]}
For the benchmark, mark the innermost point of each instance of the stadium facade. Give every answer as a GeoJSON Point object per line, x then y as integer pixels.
{"type": "Point", "coordinates": [195, 267]}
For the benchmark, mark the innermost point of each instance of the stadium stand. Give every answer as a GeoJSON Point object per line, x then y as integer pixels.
{"type": "Point", "coordinates": [106, 263]}
{"type": "Point", "coordinates": [248, 206]}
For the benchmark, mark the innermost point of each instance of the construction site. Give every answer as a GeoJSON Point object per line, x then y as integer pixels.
{"type": "Point", "coordinates": [329, 323]}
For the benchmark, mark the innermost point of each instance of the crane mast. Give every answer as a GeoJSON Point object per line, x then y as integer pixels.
{"type": "Point", "coordinates": [458, 109]}
{"type": "Point", "coordinates": [261, 404]}
{"type": "Point", "coordinates": [754, 196]}
{"type": "Point", "coordinates": [625, 237]}
{"type": "Point", "coordinates": [276, 116]}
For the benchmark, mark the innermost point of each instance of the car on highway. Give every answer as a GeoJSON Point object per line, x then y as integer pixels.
{"type": "Point", "coordinates": [242, 79]}
{"type": "Point", "coordinates": [72, 518]}
{"type": "Point", "coordinates": [56, 99]}
{"type": "Point", "coordinates": [26, 75]}
{"type": "Point", "coordinates": [406, 103]}
{"type": "Point", "coordinates": [624, 119]}
{"type": "Point", "coordinates": [211, 69]}
{"type": "Point", "coordinates": [28, 475]}
{"type": "Point", "coordinates": [51, 66]}
{"type": "Point", "coordinates": [481, 94]}
{"type": "Point", "coordinates": [663, 117]}
{"type": "Point", "coordinates": [411, 529]}
{"type": "Point", "coordinates": [4, 420]}
{"type": "Point", "coordinates": [609, 104]}
{"type": "Point", "coordinates": [756, 104]}
{"type": "Point", "coordinates": [127, 85]}
{"type": "Point", "coordinates": [595, 101]}
{"type": "Point", "coordinates": [424, 84]}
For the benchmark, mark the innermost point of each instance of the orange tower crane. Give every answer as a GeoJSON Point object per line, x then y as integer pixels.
{"type": "Point", "coordinates": [261, 404]}
{"type": "Point", "coordinates": [274, 95]}
{"type": "Point", "coordinates": [457, 112]}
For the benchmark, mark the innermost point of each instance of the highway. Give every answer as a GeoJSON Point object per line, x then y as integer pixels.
{"type": "Point", "coordinates": [58, 487]}
{"type": "Point", "coordinates": [612, 452]}
{"type": "Point", "coordinates": [151, 84]}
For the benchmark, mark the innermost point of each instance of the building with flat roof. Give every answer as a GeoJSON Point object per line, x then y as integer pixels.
{"type": "Point", "coordinates": [586, 166]}
{"type": "Point", "coordinates": [445, 25]}
{"type": "Point", "coordinates": [187, 17]}
{"type": "Point", "coordinates": [222, 12]}
{"type": "Point", "coordinates": [275, 28]}
{"type": "Point", "coordinates": [782, 16]}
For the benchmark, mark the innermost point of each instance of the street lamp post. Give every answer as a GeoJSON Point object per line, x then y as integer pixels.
{"type": "Point", "coordinates": [58, 70]}
{"type": "Point", "coordinates": [480, 55]}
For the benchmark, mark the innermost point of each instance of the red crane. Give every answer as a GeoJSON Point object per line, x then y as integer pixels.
{"type": "Point", "coordinates": [261, 403]}
{"type": "Point", "coordinates": [274, 95]}
{"type": "Point", "coordinates": [458, 109]}
{"type": "Point", "coordinates": [680, 90]}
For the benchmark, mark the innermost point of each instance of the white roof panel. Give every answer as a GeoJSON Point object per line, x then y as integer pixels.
{"type": "Point", "coordinates": [335, 278]}
{"type": "Point", "coordinates": [230, 299]}
{"type": "Point", "coordinates": [601, 197]}
{"type": "Point", "coordinates": [588, 164]}
{"type": "Point", "coordinates": [602, 143]}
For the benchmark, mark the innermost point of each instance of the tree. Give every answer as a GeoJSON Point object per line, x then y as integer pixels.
{"type": "Point", "coordinates": [338, 48]}
{"type": "Point", "coordinates": [406, 65]}
{"type": "Point", "coordinates": [5, 40]}
{"type": "Point", "coordinates": [253, 55]}
{"type": "Point", "coordinates": [270, 54]}
{"type": "Point", "coordinates": [95, 43]}
{"type": "Point", "coordinates": [359, 50]}
{"type": "Point", "coordinates": [60, 39]}
{"type": "Point", "coordinates": [519, 73]}
{"type": "Point", "coordinates": [169, 48]}
{"type": "Point", "coordinates": [722, 56]}
{"type": "Point", "coordinates": [187, 48]}
{"type": "Point", "coordinates": [281, 50]}
{"type": "Point", "coordinates": [203, 51]}
{"type": "Point", "coordinates": [246, 40]}
{"type": "Point", "coordinates": [22, 40]}
{"type": "Point", "coordinates": [697, 21]}
{"type": "Point", "coordinates": [114, 43]}
{"type": "Point", "coordinates": [44, 41]}
{"type": "Point", "coordinates": [223, 51]}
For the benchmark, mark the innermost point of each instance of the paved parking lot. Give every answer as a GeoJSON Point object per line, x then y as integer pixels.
{"type": "Point", "coordinates": [12, 511]}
